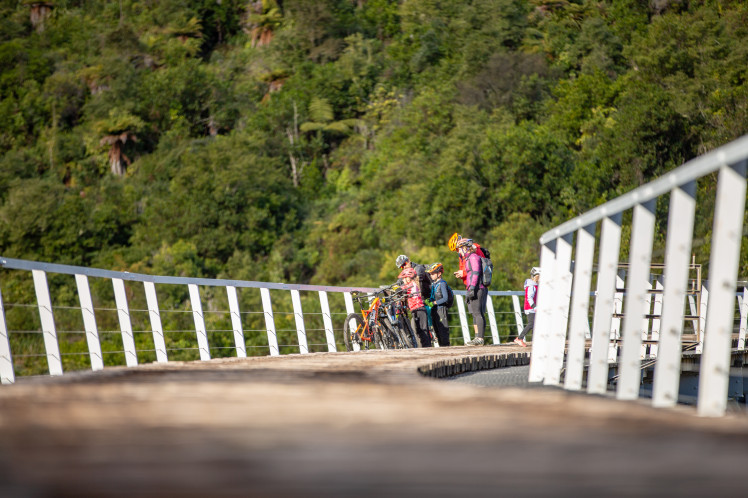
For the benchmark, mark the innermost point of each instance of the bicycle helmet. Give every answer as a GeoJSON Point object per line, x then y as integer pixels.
{"type": "Point", "coordinates": [407, 273]}
{"type": "Point", "coordinates": [401, 260]}
{"type": "Point", "coordinates": [435, 268]}
{"type": "Point", "coordinates": [535, 271]}
{"type": "Point", "coordinates": [464, 243]}
{"type": "Point", "coordinates": [452, 244]}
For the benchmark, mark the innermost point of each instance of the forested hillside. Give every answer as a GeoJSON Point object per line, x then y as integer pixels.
{"type": "Point", "coordinates": [314, 140]}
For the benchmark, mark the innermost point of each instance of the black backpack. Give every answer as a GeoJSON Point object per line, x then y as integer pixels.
{"type": "Point", "coordinates": [487, 267]}
{"type": "Point", "coordinates": [450, 297]}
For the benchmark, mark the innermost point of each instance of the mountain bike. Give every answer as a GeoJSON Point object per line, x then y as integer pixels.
{"type": "Point", "coordinates": [381, 324]}
{"type": "Point", "coordinates": [394, 319]}
{"type": "Point", "coordinates": [399, 319]}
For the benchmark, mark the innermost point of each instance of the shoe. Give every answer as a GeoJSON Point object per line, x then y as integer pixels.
{"type": "Point", "coordinates": [518, 341]}
{"type": "Point", "coordinates": [522, 343]}
{"type": "Point", "coordinates": [478, 341]}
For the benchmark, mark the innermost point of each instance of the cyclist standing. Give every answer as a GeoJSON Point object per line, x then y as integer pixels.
{"type": "Point", "coordinates": [424, 281]}
{"type": "Point", "coordinates": [416, 306]}
{"type": "Point", "coordinates": [531, 301]}
{"type": "Point", "coordinates": [477, 293]}
{"type": "Point", "coordinates": [440, 296]}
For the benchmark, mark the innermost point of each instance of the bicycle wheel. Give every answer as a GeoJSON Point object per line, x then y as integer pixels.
{"type": "Point", "coordinates": [389, 339]}
{"type": "Point", "coordinates": [379, 337]}
{"type": "Point", "coordinates": [409, 338]}
{"type": "Point", "coordinates": [399, 339]}
{"type": "Point", "coordinates": [353, 329]}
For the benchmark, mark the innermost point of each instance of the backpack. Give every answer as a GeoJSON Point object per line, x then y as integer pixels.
{"type": "Point", "coordinates": [450, 297]}
{"type": "Point", "coordinates": [487, 266]}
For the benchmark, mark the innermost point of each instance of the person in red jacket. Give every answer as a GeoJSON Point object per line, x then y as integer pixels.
{"type": "Point", "coordinates": [416, 305]}
{"type": "Point", "coordinates": [476, 292]}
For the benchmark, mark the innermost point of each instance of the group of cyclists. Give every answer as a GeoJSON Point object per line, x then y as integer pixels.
{"type": "Point", "coordinates": [429, 294]}
{"type": "Point", "coordinates": [422, 290]}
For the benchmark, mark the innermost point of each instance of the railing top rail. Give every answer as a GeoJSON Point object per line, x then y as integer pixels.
{"type": "Point", "coordinates": [22, 264]}
{"type": "Point", "coordinates": [694, 169]}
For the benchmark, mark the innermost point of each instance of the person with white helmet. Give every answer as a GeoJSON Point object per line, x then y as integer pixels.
{"type": "Point", "coordinates": [424, 282]}
{"type": "Point", "coordinates": [531, 302]}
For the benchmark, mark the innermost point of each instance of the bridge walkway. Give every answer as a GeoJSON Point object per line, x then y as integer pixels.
{"type": "Point", "coordinates": [345, 424]}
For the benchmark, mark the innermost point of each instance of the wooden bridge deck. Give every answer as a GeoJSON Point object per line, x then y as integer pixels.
{"type": "Point", "coordinates": [345, 424]}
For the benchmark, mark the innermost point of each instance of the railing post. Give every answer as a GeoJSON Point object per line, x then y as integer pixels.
{"type": "Point", "coordinates": [463, 317]}
{"type": "Point", "coordinates": [615, 323]}
{"type": "Point", "coordinates": [743, 318]}
{"type": "Point", "coordinates": [703, 307]}
{"type": "Point", "coordinates": [267, 307]}
{"type": "Point", "coordinates": [89, 322]}
{"type": "Point", "coordinates": [656, 322]}
{"type": "Point", "coordinates": [46, 316]}
{"type": "Point", "coordinates": [541, 331]}
{"type": "Point", "coordinates": [159, 344]}
{"type": "Point", "coordinates": [578, 319]}
{"type": "Point", "coordinates": [560, 311]}
{"type": "Point", "coordinates": [727, 235]}
{"type": "Point", "coordinates": [492, 320]}
{"type": "Point", "coordinates": [198, 317]}
{"type": "Point", "coordinates": [675, 278]}
{"type": "Point", "coordinates": [299, 317]}
{"type": "Point", "coordinates": [7, 375]}
{"type": "Point", "coordinates": [645, 320]}
{"type": "Point", "coordinates": [518, 314]}
{"type": "Point", "coordinates": [348, 303]}
{"type": "Point", "coordinates": [695, 311]}
{"type": "Point", "coordinates": [610, 242]}
{"type": "Point", "coordinates": [327, 320]}
{"type": "Point", "coordinates": [349, 309]}
{"type": "Point", "coordinates": [123, 312]}
{"type": "Point", "coordinates": [640, 257]}
{"type": "Point", "coordinates": [236, 322]}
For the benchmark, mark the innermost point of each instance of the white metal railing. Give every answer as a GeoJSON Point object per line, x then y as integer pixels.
{"type": "Point", "coordinates": [332, 333]}
{"type": "Point", "coordinates": [564, 298]}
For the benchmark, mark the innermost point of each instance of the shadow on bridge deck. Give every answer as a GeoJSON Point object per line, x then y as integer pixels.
{"type": "Point", "coordinates": [343, 424]}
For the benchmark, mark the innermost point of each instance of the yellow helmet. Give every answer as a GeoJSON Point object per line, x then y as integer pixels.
{"type": "Point", "coordinates": [453, 241]}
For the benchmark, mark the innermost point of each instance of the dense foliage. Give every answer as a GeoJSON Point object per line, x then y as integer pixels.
{"type": "Point", "coordinates": [314, 140]}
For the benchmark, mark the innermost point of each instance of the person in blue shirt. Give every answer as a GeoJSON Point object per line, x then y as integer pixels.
{"type": "Point", "coordinates": [439, 303]}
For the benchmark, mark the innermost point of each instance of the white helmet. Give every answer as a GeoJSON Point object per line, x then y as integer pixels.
{"type": "Point", "coordinates": [535, 271]}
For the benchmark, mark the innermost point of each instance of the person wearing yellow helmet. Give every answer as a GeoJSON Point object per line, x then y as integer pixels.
{"type": "Point", "coordinates": [476, 292]}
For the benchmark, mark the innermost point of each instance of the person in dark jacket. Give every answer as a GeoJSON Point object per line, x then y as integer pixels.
{"type": "Point", "coordinates": [424, 281]}
{"type": "Point", "coordinates": [438, 304]}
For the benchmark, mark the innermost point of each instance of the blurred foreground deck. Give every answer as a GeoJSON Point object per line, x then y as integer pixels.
{"type": "Point", "coordinates": [349, 424]}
